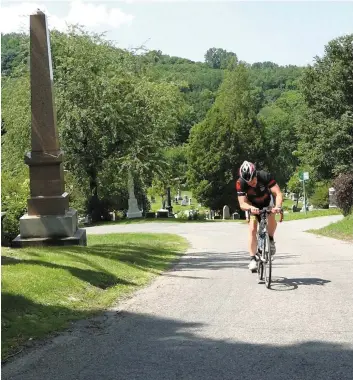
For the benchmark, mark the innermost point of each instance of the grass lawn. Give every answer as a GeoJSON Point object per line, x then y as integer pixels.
{"type": "Point", "coordinates": [310, 214]}
{"type": "Point", "coordinates": [43, 289]}
{"type": "Point", "coordinates": [342, 229]}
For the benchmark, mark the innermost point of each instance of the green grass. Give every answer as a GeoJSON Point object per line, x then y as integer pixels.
{"type": "Point", "coordinates": [288, 203]}
{"type": "Point", "coordinates": [43, 289]}
{"type": "Point", "coordinates": [310, 214]}
{"type": "Point", "coordinates": [342, 229]}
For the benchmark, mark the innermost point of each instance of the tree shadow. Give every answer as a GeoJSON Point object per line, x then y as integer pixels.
{"type": "Point", "coordinates": [100, 279]}
{"type": "Point", "coordinates": [23, 320]}
{"type": "Point", "coordinates": [150, 259]}
{"type": "Point", "coordinates": [217, 261]}
{"type": "Point", "coordinates": [129, 345]}
{"type": "Point", "coordinates": [285, 284]}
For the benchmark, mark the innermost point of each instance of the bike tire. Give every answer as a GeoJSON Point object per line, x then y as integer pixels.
{"type": "Point", "coordinates": [268, 264]}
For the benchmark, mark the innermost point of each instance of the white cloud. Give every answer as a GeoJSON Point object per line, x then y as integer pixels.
{"type": "Point", "coordinates": [15, 18]}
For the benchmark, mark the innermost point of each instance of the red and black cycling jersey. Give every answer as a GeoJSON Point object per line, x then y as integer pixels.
{"type": "Point", "coordinates": [260, 195]}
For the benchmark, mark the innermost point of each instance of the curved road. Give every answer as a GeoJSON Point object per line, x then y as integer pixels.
{"type": "Point", "coordinates": [209, 318]}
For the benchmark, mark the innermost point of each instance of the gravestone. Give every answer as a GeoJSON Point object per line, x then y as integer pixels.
{"type": "Point", "coordinates": [133, 211]}
{"type": "Point", "coordinates": [332, 198]}
{"type": "Point", "coordinates": [226, 212]}
{"type": "Point", "coordinates": [49, 220]}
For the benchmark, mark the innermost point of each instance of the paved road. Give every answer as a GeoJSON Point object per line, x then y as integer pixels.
{"type": "Point", "coordinates": [209, 318]}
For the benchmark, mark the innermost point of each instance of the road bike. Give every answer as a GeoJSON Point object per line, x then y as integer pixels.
{"type": "Point", "coordinates": [264, 252]}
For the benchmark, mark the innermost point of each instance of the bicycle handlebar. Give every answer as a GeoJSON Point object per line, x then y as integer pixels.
{"type": "Point", "coordinates": [264, 211]}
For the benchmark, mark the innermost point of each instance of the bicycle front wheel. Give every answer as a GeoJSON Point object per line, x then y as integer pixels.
{"type": "Point", "coordinates": [268, 263]}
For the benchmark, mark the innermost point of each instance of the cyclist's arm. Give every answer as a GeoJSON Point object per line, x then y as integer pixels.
{"type": "Point", "coordinates": [276, 191]}
{"type": "Point", "coordinates": [244, 203]}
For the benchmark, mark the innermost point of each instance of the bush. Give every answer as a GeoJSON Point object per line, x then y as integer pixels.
{"type": "Point", "coordinates": [320, 198]}
{"type": "Point", "coordinates": [14, 194]}
{"type": "Point", "coordinates": [343, 185]}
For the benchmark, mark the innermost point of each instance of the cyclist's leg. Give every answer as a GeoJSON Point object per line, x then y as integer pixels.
{"type": "Point", "coordinates": [271, 225]}
{"type": "Point", "coordinates": [271, 221]}
{"type": "Point", "coordinates": [252, 235]}
{"type": "Point", "coordinates": [271, 228]}
{"type": "Point", "coordinates": [252, 242]}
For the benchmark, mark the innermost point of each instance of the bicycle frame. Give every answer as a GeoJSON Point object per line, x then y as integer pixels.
{"type": "Point", "coordinates": [263, 252]}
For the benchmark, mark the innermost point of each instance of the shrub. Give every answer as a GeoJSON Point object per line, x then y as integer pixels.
{"type": "Point", "coordinates": [343, 185]}
{"type": "Point", "coordinates": [320, 198]}
{"type": "Point", "coordinates": [14, 194]}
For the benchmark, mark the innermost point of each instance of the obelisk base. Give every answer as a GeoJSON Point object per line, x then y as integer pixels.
{"type": "Point", "coordinates": [134, 211]}
{"type": "Point", "coordinates": [50, 230]}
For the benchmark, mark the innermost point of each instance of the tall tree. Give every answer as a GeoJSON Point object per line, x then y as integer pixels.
{"type": "Point", "coordinates": [229, 134]}
{"type": "Point", "coordinates": [219, 58]}
{"type": "Point", "coordinates": [326, 129]}
{"type": "Point", "coordinates": [280, 120]}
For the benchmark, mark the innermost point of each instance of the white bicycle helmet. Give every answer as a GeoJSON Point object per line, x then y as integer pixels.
{"type": "Point", "coordinates": [247, 171]}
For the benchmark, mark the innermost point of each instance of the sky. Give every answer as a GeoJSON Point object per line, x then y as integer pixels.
{"type": "Point", "coordinates": [283, 32]}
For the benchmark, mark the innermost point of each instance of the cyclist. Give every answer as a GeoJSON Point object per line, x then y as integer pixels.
{"type": "Point", "coordinates": [256, 190]}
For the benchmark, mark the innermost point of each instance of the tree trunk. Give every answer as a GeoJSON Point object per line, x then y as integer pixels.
{"type": "Point", "coordinates": [94, 203]}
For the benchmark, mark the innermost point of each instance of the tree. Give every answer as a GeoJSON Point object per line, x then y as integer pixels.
{"type": "Point", "coordinates": [326, 128]}
{"type": "Point", "coordinates": [343, 185]}
{"type": "Point", "coordinates": [110, 116]}
{"type": "Point", "coordinates": [219, 58]}
{"type": "Point", "coordinates": [229, 134]}
{"type": "Point", "coordinates": [280, 120]}
{"type": "Point", "coordinates": [16, 117]}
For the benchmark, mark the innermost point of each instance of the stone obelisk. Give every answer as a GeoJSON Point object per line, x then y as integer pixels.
{"type": "Point", "coordinates": [49, 221]}
{"type": "Point", "coordinates": [133, 211]}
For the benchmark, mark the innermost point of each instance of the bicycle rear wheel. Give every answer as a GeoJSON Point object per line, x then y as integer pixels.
{"type": "Point", "coordinates": [268, 263]}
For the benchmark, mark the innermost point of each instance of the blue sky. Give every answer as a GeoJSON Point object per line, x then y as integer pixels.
{"type": "Point", "coordinates": [282, 32]}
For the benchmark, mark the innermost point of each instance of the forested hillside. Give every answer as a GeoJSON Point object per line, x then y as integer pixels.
{"type": "Point", "coordinates": [172, 121]}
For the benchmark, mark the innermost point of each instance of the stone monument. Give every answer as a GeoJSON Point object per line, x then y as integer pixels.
{"type": "Point", "coordinates": [332, 197]}
{"type": "Point", "coordinates": [226, 212]}
{"type": "Point", "coordinates": [49, 220]}
{"type": "Point", "coordinates": [133, 211]}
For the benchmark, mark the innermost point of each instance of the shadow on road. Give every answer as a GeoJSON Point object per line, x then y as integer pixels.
{"type": "Point", "coordinates": [284, 284]}
{"type": "Point", "coordinates": [216, 260]}
{"type": "Point", "coordinates": [141, 347]}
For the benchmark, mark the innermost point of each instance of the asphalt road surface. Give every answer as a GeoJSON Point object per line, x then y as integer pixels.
{"type": "Point", "coordinates": [210, 318]}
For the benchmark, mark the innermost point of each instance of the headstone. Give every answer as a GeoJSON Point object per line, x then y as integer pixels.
{"type": "Point", "coordinates": [162, 214]}
{"type": "Point", "coordinates": [133, 211]}
{"type": "Point", "coordinates": [226, 212]}
{"type": "Point", "coordinates": [49, 220]}
{"type": "Point", "coordinates": [332, 198]}
{"type": "Point", "coordinates": [236, 215]}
